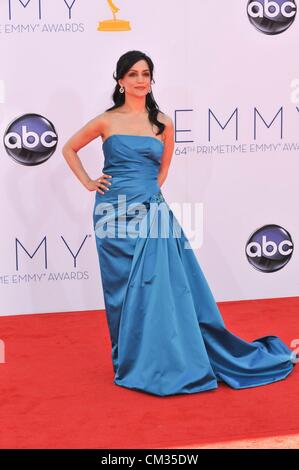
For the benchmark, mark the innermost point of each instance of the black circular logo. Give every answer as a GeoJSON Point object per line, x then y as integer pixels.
{"type": "Point", "coordinates": [271, 16]}
{"type": "Point", "coordinates": [269, 248]}
{"type": "Point", "coordinates": [30, 139]}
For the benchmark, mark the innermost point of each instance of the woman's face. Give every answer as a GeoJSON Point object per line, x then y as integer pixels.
{"type": "Point", "coordinates": [137, 76]}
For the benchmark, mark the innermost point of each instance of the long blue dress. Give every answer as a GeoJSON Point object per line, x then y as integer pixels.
{"type": "Point", "coordinates": [167, 334]}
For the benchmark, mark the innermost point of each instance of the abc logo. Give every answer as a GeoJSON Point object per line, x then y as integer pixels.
{"type": "Point", "coordinates": [30, 139]}
{"type": "Point", "coordinates": [269, 248]}
{"type": "Point", "coordinates": [271, 16]}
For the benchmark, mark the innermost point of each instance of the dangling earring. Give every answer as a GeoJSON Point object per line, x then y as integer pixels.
{"type": "Point", "coordinates": [150, 90]}
{"type": "Point", "coordinates": [121, 90]}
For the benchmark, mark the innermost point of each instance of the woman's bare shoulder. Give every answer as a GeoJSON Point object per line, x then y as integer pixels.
{"type": "Point", "coordinates": [106, 118]}
{"type": "Point", "coordinates": [101, 122]}
{"type": "Point", "coordinates": [103, 118]}
{"type": "Point", "coordinates": [94, 128]}
{"type": "Point", "coordinates": [165, 119]}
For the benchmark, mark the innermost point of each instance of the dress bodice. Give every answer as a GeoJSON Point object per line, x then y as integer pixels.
{"type": "Point", "coordinates": [133, 161]}
{"type": "Point", "coordinates": [124, 152]}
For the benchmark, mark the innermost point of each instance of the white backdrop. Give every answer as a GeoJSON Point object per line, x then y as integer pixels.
{"type": "Point", "coordinates": [210, 62]}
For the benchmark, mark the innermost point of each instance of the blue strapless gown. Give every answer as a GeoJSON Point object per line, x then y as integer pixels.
{"type": "Point", "coordinates": [167, 333]}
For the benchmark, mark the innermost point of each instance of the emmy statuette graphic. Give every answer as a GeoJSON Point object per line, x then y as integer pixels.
{"type": "Point", "coordinates": [115, 24]}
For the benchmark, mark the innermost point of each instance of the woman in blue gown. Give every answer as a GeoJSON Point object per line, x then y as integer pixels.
{"type": "Point", "coordinates": [167, 334]}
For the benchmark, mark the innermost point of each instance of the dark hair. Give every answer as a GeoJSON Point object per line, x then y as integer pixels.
{"type": "Point", "coordinates": [124, 63]}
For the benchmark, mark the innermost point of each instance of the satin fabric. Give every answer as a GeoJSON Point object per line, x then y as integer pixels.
{"type": "Point", "coordinates": [167, 334]}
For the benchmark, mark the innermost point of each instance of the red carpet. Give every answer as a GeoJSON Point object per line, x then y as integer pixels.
{"type": "Point", "coordinates": [57, 387]}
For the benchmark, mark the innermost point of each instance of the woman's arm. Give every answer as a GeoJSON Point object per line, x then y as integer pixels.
{"type": "Point", "coordinates": [168, 150]}
{"type": "Point", "coordinates": [93, 129]}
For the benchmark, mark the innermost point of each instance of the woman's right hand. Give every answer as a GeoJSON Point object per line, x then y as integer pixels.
{"type": "Point", "coordinates": [101, 182]}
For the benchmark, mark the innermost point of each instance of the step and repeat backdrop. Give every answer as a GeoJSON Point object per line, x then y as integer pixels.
{"type": "Point", "coordinates": [226, 72]}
